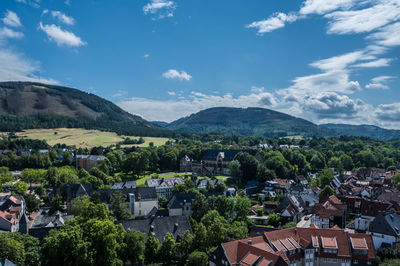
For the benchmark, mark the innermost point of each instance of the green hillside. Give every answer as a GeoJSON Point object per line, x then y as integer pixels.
{"type": "Point", "coordinates": [364, 131]}
{"type": "Point", "coordinates": [247, 122]}
{"type": "Point", "coordinates": [27, 105]}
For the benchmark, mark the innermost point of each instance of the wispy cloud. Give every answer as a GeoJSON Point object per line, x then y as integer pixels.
{"type": "Point", "coordinates": [9, 33]}
{"type": "Point", "coordinates": [321, 7]}
{"type": "Point", "coordinates": [160, 8]}
{"type": "Point", "coordinates": [176, 74]}
{"type": "Point", "coordinates": [63, 18]}
{"type": "Point", "coordinates": [119, 94]}
{"type": "Point", "coordinates": [11, 19]}
{"type": "Point", "coordinates": [61, 37]}
{"type": "Point", "coordinates": [379, 83]}
{"type": "Point", "coordinates": [15, 66]}
{"type": "Point", "coordinates": [146, 56]}
{"type": "Point", "coordinates": [275, 21]}
{"type": "Point", "coordinates": [171, 93]}
{"type": "Point", "coordinates": [387, 36]}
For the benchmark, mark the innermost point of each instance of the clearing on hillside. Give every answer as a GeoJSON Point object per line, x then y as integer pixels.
{"type": "Point", "coordinates": [84, 138]}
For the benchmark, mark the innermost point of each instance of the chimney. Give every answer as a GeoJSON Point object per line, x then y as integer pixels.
{"type": "Point", "coordinates": [250, 242]}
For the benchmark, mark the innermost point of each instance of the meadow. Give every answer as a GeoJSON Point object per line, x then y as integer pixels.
{"type": "Point", "coordinates": [84, 138]}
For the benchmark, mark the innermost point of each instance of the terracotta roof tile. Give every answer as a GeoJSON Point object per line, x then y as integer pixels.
{"type": "Point", "coordinates": [329, 242]}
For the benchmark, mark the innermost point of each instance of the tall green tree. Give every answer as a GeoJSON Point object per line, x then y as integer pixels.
{"type": "Point", "coordinates": [151, 249]}
{"type": "Point", "coordinates": [119, 206]}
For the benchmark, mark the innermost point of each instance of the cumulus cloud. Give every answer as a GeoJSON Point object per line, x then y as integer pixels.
{"type": "Point", "coordinates": [16, 66]}
{"type": "Point", "coordinates": [61, 37]}
{"type": "Point", "coordinates": [274, 22]}
{"type": "Point", "coordinates": [379, 83]}
{"type": "Point", "coordinates": [176, 74]}
{"type": "Point", "coordinates": [160, 8]}
{"type": "Point", "coordinates": [159, 110]}
{"type": "Point", "coordinates": [388, 112]}
{"type": "Point", "coordinates": [63, 18]}
{"type": "Point", "coordinates": [11, 19]}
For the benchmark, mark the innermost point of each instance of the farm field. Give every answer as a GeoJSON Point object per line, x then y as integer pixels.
{"type": "Point", "coordinates": [83, 138]}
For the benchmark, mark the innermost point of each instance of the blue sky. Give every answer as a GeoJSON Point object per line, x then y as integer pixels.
{"type": "Point", "coordinates": [326, 61]}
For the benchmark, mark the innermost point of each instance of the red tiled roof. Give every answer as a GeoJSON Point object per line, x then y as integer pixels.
{"type": "Point", "coordinates": [249, 259]}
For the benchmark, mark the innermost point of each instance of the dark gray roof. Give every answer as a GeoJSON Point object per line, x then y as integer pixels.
{"type": "Point", "coordinates": [388, 224]}
{"type": "Point", "coordinates": [164, 182]}
{"type": "Point", "coordinates": [141, 193]}
{"type": "Point", "coordinates": [229, 155]}
{"type": "Point", "coordinates": [44, 223]}
{"type": "Point", "coordinates": [75, 190]}
{"type": "Point", "coordinates": [120, 185]}
{"type": "Point", "coordinates": [91, 157]}
{"type": "Point", "coordinates": [177, 225]}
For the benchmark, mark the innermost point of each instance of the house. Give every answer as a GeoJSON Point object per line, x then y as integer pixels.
{"type": "Point", "coordinates": [290, 209]}
{"type": "Point", "coordinates": [160, 226]}
{"type": "Point", "coordinates": [181, 204]}
{"type": "Point", "coordinates": [87, 162]}
{"type": "Point", "coordinates": [164, 186]}
{"type": "Point", "coordinates": [141, 200]}
{"type": "Point", "coordinates": [214, 162]}
{"type": "Point", "coordinates": [329, 213]}
{"type": "Point", "coordinates": [385, 229]}
{"type": "Point", "coordinates": [73, 191]}
{"type": "Point", "coordinates": [12, 210]}
{"type": "Point", "coordinates": [298, 246]}
{"type": "Point", "coordinates": [121, 185]}
{"type": "Point", "coordinates": [43, 223]}
{"type": "Point", "coordinates": [6, 262]}
{"type": "Point", "coordinates": [390, 196]}
{"type": "Point", "coordinates": [206, 183]}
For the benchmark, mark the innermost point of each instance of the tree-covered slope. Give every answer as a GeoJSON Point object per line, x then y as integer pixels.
{"type": "Point", "coordinates": [247, 122]}
{"type": "Point", "coordinates": [26, 105]}
{"type": "Point", "coordinates": [364, 131]}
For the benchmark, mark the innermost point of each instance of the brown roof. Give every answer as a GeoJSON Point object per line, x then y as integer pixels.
{"type": "Point", "coordinates": [358, 243]}
{"type": "Point", "coordinates": [329, 242]}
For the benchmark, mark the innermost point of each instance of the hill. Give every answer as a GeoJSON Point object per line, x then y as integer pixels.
{"type": "Point", "coordinates": [364, 131]}
{"type": "Point", "coordinates": [247, 122]}
{"type": "Point", "coordinates": [28, 105]}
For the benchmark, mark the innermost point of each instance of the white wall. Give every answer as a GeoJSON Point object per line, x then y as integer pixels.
{"type": "Point", "coordinates": [144, 207]}
{"type": "Point", "coordinates": [380, 238]}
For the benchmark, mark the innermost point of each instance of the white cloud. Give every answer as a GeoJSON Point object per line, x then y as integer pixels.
{"type": "Point", "coordinates": [388, 36]}
{"type": "Point", "coordinates": [11, 19]}
{"type": "Point", "coordinates": [160, 8]}
{"type": "Point", "coordinates": [383, 62]}
{"type": "Point", "coordinates": [9, 33]}
{"type": "Point", "coordinates": [16, 67]}
{"type": "Point", "coordinates": [33, 3]}
{"type": "Point", "coordinates": [379, 83]}
{"type": "Point", "coordinates": [146, 56]}
{"type": "Point", "coordinates": [171, 93]}
{"type": "Point", "coordinates": [274, 22]}
{"type": "Point", "coordinates": [120, 93]}
{"type": "Point", "coordinates": [63, 18]}
{"type": "Point", "coordinates": [365, 19]}
{"type": "Point", "coordinates": [338, 62]}
{"type": "Point", "coordinates": [67, 2]}
{"type": "Point", "coordinates": [388, 112]}
{"type": "Point", "coordinates": [61, 37]}
{"type": "Point", "coordinates": [176, 74]}
{"type": "Point", "coordinates": [323, 6]}
{"type": "Point", "coordinates": [159, 110]}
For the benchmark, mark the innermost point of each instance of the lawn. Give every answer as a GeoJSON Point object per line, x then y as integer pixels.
{"type": "Point", "coordinates": [83, 138]}
{"type": "Point", "coordinates": [141, 181]}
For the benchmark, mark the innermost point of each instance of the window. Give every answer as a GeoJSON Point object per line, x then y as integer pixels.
{"type": "Point", "coordinates": [355, 261]}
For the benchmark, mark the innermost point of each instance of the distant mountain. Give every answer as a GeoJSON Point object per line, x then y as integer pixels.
{"type": "Point", "coordinates": [160, 123]}
{"type": "Point", "coordinates": [248, 122]}
{"type": "Point", "coordinates": [364, 131]}
{"type": "Point", "coordinates": [25, 105]}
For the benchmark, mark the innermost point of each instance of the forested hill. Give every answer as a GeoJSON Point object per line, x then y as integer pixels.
{"type": "Point", "coordinates": [364, 131]}
{"type": "Point", "coordinates": [26, 105]}
{"type": "Point", "coordinates": [248, 122]}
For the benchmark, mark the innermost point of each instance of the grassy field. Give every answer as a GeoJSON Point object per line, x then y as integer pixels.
{"type": "Point", "coordinates": [82, 137]}
{"type": "Point", "coordinates": [141, 181]}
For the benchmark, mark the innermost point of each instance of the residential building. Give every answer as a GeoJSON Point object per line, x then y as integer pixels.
{"type": "Point", "coordinates": [160, 226]}
{"type": "Point", "coordinates": [141, 200]}
{"type": "Point", "coordinates": [329, 213]}
{"type": "Point", "coordinates": [298, 246]}
{"type": "Point", "coordinates": [164, 186]}
{"type": "Point", "coordinates": [87, 162]}
{"type": "Point", "coordinates": [73, 191]}
{"type": "Point", "coordinates": [385, 229]}
{"type": "Point", "coordinates": [290, 209]}
{"type": "Point", "coordinates": [12, 209]}
{"type": "Point", "coordinates": [43, 223]}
